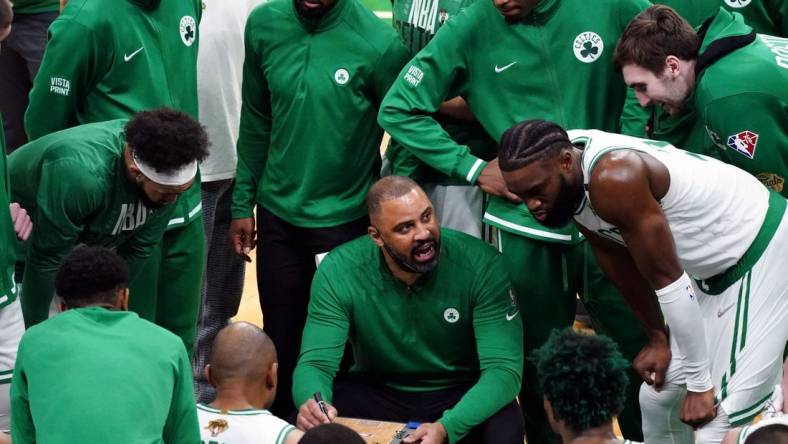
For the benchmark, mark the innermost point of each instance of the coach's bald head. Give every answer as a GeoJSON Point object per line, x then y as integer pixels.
{"type": "Point", "coordinates": [243, 364]}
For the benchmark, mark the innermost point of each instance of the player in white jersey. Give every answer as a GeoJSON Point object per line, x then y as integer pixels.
{"type": "Point", "coordinates": [667, 222]}
{"type": "Point", "coordinates": [243, 369]}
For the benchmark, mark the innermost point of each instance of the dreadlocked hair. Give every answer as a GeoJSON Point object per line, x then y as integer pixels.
{"type": "Point", "coordinates": [530, 141]}
{"type": "Point", "coordinates": [583, 376]}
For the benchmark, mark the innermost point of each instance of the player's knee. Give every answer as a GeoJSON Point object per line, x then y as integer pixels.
{"type": "Point", "coordinates": [653, 401]}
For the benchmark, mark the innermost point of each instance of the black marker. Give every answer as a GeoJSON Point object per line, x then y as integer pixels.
{"type": "Point", "coordinates": [320, 403]}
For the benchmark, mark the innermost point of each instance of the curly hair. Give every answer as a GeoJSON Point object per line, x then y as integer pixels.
{"type": "Point", "coordinates": [91, 275]}
{"type": "Point", "coordinates": [330, 434]}
{"type": "Point", "coordinates": [166, 139]}
{"type": "Point", "coordinates": [583, 377]}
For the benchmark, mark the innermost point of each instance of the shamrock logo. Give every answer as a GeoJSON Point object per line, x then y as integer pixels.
{"type": "Point", "coordinates": [589, 49]}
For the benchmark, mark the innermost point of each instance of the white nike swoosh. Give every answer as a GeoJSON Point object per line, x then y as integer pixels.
{"type": "Point", "coordinates": [722, 311]}
{"type": "Point", "coordinates": [503, 68]}
{"type": "Point", "coordinates": [510, 317]}
{"type": "Point", "coordinates": [128, 57]}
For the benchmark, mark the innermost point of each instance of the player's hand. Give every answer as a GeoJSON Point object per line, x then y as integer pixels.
{"type": "Point", "coordinates": [698, 408]}
{"type": "Point", "coordinates": [242, 236]}
{"type": "Point", "coordinates": [310, 415]}
{"type": "Point", "coordinates": [653, 360]}
{"type": "Point", "coordinates": [491, 182]}
{"type": "Point", "coordinates": [428, 433]}
{"type": "Point", "coordinates": [23, 226]}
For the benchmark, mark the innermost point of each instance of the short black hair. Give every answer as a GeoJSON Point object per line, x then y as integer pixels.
{"type": "Point", "coordinates": [6, 14]}
{"type": "Point", "coordinates": [331, 434]}
{"type": "Point", "coordinates": [166, 139]}
{"type": "Point", "coordinates": [583, 376]}
{"type": "Point", "coordinates": [91, 275]}
{"type": "Point", "coordinates": [388, 188]}
{"type": "Point", "coordinates": [529, 141]}
{"type": "Point", "coordinates": [770, 434]}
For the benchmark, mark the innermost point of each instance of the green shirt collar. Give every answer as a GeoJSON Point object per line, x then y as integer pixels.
{"type": "Point", "coordinates": [323, 23]}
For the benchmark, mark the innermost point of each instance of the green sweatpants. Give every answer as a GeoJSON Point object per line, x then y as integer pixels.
{"type": "Point", "coordinates": [167, 291]}
{"type": "Point", "coordinates": [546, 278]}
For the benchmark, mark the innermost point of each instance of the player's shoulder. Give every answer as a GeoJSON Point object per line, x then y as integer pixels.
{"type": "Point", "coordinates": [465, 251]}
{"type": "Point", "coordinates": [367, 27]}
{"type": "Point", "coordinates": [356, 253]}
{"type": "Point", "coordinates": [269, 9]}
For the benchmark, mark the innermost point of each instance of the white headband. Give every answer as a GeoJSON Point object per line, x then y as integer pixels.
{"type": "Point", "coordinates": [176, 178]}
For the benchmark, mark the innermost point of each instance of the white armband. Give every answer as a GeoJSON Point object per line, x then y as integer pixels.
{"type": "Point", "coordinates": [682, 313]}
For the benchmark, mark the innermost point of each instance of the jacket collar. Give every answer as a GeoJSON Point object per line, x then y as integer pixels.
{"type": "Point", "coordinates": [541, 13]}
{"type": "Point", "coordinates": [325, 22]}
{"type": "Point", "coordinates": [148, 5]}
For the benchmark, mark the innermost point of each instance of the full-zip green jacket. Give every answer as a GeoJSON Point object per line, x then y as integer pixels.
{"type": "Point", "coordinates": [7, 233]}
{"type": "Point", "coordinates": [417, 21]}
{"type": "Point", "coordinates": [458, 326]}
{"type": "Point", "coordinates": [765, 16]}
{"type": "Point", "coordinates": [121, 379]}
{"type": "Point", "coordinates": [74, 185]}
{"type": "Point", "coordinates": [742, 98]}
{"type": "Point", "coordinates": [309, 144]}
{"type": "Point", "coordinates": [108, 59]}
{"type": "Point", "coordinates": [555, 65]}
{"type": "Point", "coordinates": [35, 6]}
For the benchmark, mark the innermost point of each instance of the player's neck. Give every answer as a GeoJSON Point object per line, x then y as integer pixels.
{"type": "Point", "coordinates": [600, 434]}
{"type": "Point", "coordinates": [234, 398]}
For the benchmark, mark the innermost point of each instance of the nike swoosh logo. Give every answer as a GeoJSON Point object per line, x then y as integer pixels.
{"type": "Point", "coordinates": [510, 317]}
{"type": "Point", "coordinates": [127, 57]}
{"type": "Point", "coordinates": [503, 68]}
{"type": "Point", "coordinates": [721, 311]}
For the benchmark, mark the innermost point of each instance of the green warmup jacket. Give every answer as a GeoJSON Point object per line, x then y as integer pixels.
{"type": "Point", "coordinates": [765, 16]}
{"type": "Point", "coordinates": [417, 21]}
{"type": "Point", "coordinates": [35, 6]}
{"type": "Point", "coordinates": [741, 97]}
{"type": "Point", "coordinates": [93, 375]}
{"type": "Point", "coordinates": [74, 185]}
{"type": "Point", "coordinates": [417, 338]}
{"type": "Point", "coordinates": [556, 65]}
{"type": "Point", "coordinates": [100, 66]}
{"type": "Point", "coordinates": [7, 233]}
{"type": "Point", "coordinates": [309, 145]}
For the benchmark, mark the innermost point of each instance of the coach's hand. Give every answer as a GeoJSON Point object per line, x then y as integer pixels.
{"type": "Point", "coordinates": [310, 415]}
{"type": "Point", "coordinates": [653, 360]}
{"type": "Point", "coordinates": [491, 182]}
{"type": "Point", "coordinates": [242, 236]}
{"type": "Point", "coordinates": [22, 223]}
{"type": "Point", "coordinates": [428, 433]}
{"type": "Point", "coordinates": [698, 408]}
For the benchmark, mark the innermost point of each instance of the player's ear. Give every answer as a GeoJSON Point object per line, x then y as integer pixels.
{"type": "Point", "coordinates": [374, 233]}
{"type": "Point", "coordinates": [271, 379]}
{"type": "Point", "coordinates": [207, 372]}
{"type": "Point", "coordinates": [123, 299]}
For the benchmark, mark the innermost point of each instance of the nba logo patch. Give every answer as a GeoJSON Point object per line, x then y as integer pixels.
{"type": "Point", "coordinates": [744, 143]}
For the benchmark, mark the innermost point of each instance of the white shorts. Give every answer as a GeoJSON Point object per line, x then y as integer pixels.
{"type": "Point", "coordinates": [746, 330]}
{"type": "Point", "coordinates": [13, 327]}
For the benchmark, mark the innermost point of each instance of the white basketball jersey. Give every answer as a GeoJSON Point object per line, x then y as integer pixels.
{"type": "Point", "coordinates": [241, 426]}
{"type": "Point", "coordinates": [714, 210]}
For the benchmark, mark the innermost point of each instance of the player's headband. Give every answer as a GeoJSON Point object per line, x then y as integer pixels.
{"type": "Point", "coordinates": [176, 178]}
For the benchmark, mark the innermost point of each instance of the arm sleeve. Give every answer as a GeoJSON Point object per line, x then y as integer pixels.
{"type": "Point", "coordinates": [499, 342]}
{"type": "Point", "coordinates": [417, 93]}
{"type": "Point", "coordinates": [254, 135]}
{"type": "Point", "coordinates": [23, 430]}
{"type": "Point", "coordinates": [764, 131]}
{"type": "Point", "coordinates": [182, 425]}
{"type": "Point", "coordinates": [62, 207]}
{"type": "Point", "coordinates": [323, 341]}
{"type": "Point", "coordinates": [69, 70]}
{"type": "Point", "coordinates": [137, 249]}
{"type": "Point", "coordinates": [634, 118]}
